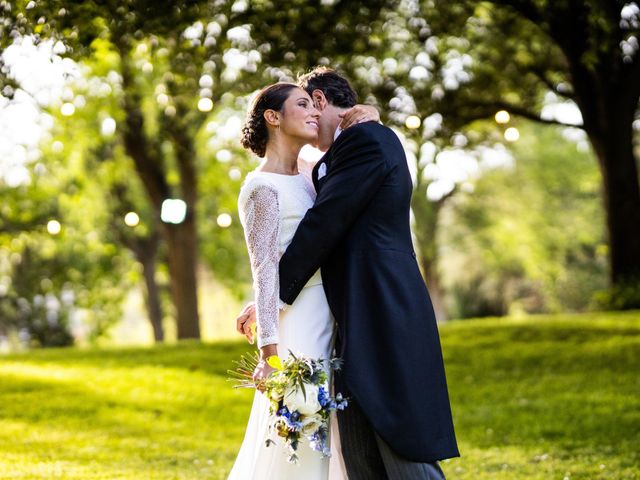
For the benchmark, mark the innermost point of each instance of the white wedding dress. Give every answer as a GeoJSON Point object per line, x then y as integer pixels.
{"type": "Point", "coordinates": [271, 207]}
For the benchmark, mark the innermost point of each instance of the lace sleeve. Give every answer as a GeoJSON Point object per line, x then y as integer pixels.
{"type": "Point", "coordinates": [261, 225]}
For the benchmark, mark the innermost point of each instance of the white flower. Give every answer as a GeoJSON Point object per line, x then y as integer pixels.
{"type": "Point", "coordinates": [275, 394]}
{"type": "Point", "coordinates": [295, 400]}
{"type": "Point", "coordinates": [310, 424]}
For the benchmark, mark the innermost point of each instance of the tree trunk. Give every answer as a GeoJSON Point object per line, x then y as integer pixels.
{"type": "Point", "coordinates": [181, 239]}
{"type": "Point", "coordinates": [611, 134]}
{"type": "Point", "coordinates": [152, 297]}
{"type": "Point", "coordinates": [181, 256]}
{"type": "Point", "coordinates": [607, 93]}
{"type": "Point", "coordinates": [613, 145]}
{"type": "Point", "coordinates": [145, 249]}
{"type": "Point", "coordinates": [436, 292]}
{"type": "Point", "coordinates": [425, 229]}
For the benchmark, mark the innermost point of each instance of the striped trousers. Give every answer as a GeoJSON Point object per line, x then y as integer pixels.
{"type": "Point", "coordinates": [368, 457]}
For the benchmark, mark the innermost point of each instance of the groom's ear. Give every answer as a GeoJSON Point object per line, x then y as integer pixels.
{"type": "Point", "coordinates": [319, 100]}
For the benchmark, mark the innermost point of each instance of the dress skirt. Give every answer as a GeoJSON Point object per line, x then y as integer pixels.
{"type": "Point", "coordinates": [305, 328]}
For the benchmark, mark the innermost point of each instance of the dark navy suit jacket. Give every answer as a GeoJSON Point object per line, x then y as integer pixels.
{"type": "Point", "coordinates": [358, 233]}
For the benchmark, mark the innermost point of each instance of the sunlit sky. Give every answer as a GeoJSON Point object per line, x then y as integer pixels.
{"type": "Point", "coordinates": [43, 76]}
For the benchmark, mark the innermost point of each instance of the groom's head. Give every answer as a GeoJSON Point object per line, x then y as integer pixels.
{"type": "Point", "coordinates": [331, 94]}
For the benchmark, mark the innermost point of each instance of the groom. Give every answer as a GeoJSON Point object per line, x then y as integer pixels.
{"type": "Point", "coordinates": [398, 423]}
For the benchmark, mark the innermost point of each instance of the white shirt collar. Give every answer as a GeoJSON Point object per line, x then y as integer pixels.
{"type": "Point", "coordinates": [337, 133]}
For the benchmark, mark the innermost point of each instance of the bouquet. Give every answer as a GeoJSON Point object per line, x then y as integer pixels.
{"type": "Point", "coordinates": [299, 397]}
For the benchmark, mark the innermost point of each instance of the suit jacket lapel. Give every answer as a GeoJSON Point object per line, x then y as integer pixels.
{"type": "Point", "coordinates": [325, 160]}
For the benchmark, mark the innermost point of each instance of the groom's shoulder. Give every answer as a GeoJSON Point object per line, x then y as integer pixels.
{"type": "Point", "coordinates": [380, 131]}
{"type": "Point", "coordinates": [367, 132]}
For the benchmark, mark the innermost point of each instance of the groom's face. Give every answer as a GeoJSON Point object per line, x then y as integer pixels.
{"type": "Point", "coordinates": [328, 121]}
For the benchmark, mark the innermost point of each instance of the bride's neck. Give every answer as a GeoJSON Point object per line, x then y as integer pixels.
{"type": "Point", "coordinates": [282, 158]}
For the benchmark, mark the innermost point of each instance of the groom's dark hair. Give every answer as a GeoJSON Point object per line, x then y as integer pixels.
{"type": "Point", "coordinates": [334, 86]}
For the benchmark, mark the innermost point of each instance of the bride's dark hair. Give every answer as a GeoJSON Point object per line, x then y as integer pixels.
{"type": "Point", "coordinates": [254, 133]}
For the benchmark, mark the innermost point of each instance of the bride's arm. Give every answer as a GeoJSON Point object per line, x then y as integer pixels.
{"type": "Point", "coordinates": [359, 114]}
{"type": "Point", "coordinates": [261, 220]}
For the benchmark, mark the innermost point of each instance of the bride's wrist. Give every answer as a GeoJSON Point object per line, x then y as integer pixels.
{"type": "Point", "coordinates": [267, 351]}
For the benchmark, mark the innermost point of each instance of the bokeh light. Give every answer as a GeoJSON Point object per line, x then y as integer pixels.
{"type": "Point", "coordinates": [108, 127]}
{"type": "Point", "coordinates": [223, 156]}
{"type": "Point", "coordinates": [502, 117]}
{"type": "Point", "coordinates": [54, 227]}
{"type": "Point", "coordinates": [67, 109]}
{"type": "Point", "coordinates": [131, 219]}
{"type": "Point", "coordinates": [412, 122]}
{"type": "Point", "coordinates": [205, 105]}
{"type": "Point", "coordinates": [162, 99]}
{"type": "Point", "coordinates": [206, 81]}
{"type": "Point", "coordinates": [174, 210]}
{"type": "Point", "coordinates": [224, 220]}
{"type": "Point", "coordinates": [511, 134]}
{"type": "Point", "coordinates": [235, 173]}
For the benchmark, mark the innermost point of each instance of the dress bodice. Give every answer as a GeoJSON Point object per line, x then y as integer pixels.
{"type": "Point", "coordinates": [271, 206]}
{"type": "Point", "coordinates": [295, 196]}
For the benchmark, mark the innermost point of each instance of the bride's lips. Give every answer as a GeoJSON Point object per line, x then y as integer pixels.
{"type": "Point", "coordinates": [314, 123]}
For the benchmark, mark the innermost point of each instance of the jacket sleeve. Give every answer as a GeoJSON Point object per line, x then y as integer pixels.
{"type": "Point", "coordinates": [261, 220]}
{"type": "Point", "coordinates": [357, 170]}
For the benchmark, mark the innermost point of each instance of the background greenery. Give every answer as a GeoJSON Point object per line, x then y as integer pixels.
{"type": "Point", "coordinates": [536, 398]}
{"type": "Point", "coordinates": [538, 229]}
{"type": "Point", "coordinates": [552, 228]}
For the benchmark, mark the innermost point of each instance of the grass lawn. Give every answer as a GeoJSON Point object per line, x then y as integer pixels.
{"type": "Point", "coordinates": [547, 397]}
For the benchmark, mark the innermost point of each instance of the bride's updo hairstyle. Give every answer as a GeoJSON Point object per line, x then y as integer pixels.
{"type": "Point", "coordinates": [255, 134]}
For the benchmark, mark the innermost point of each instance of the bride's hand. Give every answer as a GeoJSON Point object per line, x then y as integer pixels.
{"type": "Point", "coordinates": [245, 320]}
{"type": "Point", "coordinates": [359, 114]}
{"type": "Point", "coordinates": [263, 369]}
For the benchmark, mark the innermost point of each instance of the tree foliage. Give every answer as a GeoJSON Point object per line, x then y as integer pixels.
{"type": "Point", "coordinates": [531, 236]}
{"type": "Point", "coordinates": [522, 51]}
{"type": "Point", "coordinates": [174, 78]}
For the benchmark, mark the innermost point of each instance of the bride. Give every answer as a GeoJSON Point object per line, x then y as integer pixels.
{"type": "Point", "coordinates": [272, 201]}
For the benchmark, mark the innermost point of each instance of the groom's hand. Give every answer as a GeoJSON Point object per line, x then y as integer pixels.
{"type": "Point", "coordinates": [359, 114]}
{"type": "Point", "coordinates": [245, 320]}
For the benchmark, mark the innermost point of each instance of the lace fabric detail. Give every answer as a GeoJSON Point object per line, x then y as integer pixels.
{"type": "Point", "coordinates": [261, 225]}
{"type": "Point", "coordinates": [271, 207]}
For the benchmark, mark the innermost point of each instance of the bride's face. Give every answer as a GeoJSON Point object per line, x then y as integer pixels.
{"type": "Point", "coordinates": [299, 118]}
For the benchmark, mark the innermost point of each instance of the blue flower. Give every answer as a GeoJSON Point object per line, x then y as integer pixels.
{"type": "Point", "coordinates": [318, 441]}
{"type": "Point", "coordinates": [291, 421]}
{"type": "Point", "coordinates": [284, 412]}
{"type": "Point", "coordinates": [341, 402]}
{"type": "Point", "coordinates": [323, 397]}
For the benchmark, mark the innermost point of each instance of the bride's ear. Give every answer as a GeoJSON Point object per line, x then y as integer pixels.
{"type": "Point", "coordinates": [319, 100]}
{"type": "Point", "coordinates": [272, 118]}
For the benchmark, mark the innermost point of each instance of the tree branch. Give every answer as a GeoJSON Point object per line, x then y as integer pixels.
{"type": "Point", "coordinates": [489, 108]}
{"type": "Point", "coordinates": [526, 8]}
{"type": "Point", "coordinates": [542, 76]}
{"type": "Point", "coordinates": [185, 154]}
{"type": "Point", "coordinates": [135, 141]}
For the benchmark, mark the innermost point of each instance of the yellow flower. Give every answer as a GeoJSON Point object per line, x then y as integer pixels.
{"type": "Point", "coordinates": [274, 362]}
